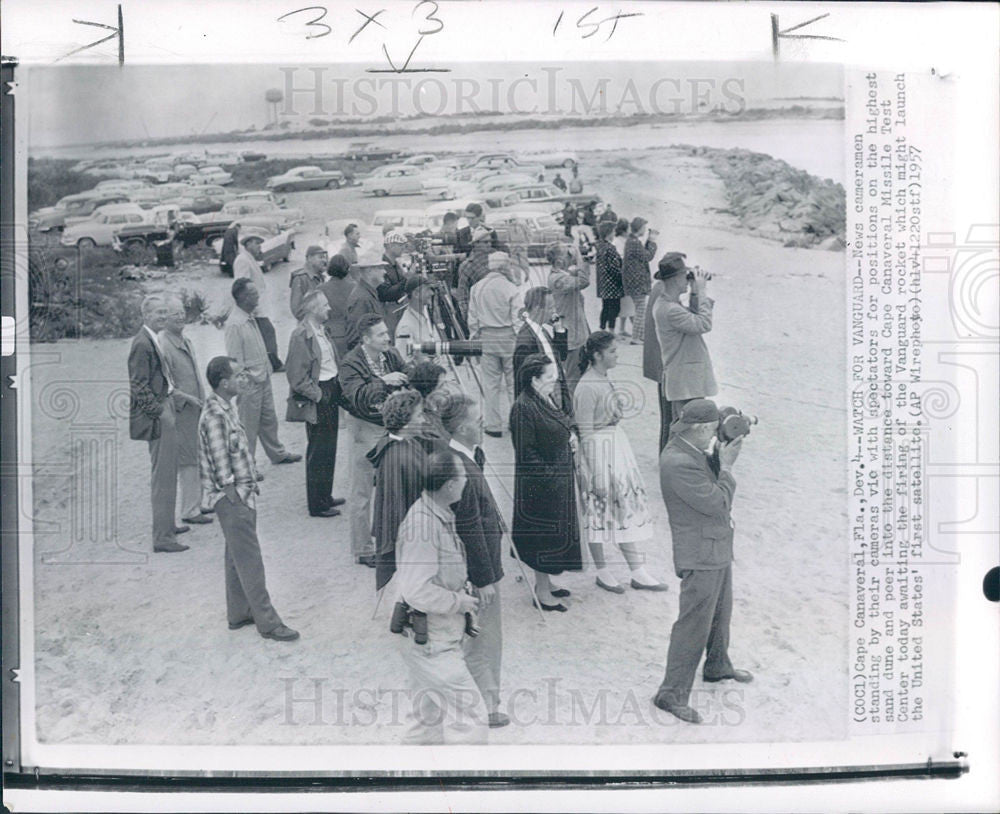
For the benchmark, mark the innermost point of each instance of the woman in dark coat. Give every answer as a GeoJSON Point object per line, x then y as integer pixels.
{"type": "Point", "coordinates": [545, 528]}
{"type": "Point", "coordinates": [609, 276]}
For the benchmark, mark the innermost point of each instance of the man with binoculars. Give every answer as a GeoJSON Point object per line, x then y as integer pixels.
{"type": "Point", "coordinates": [686, 367]}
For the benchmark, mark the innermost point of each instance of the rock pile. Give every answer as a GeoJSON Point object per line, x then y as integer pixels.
{"type": "Point", "coordinates": [777, 201]}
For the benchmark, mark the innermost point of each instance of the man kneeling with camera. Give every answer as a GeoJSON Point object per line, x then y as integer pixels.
{"type": "Point", "coordinates": [435, 611]}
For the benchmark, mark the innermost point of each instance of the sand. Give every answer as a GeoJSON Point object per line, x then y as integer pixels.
{"type": "Point", "coordinates": [133, 648]}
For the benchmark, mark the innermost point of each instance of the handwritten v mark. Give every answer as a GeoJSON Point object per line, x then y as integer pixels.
{"type": "Point", "coordinates": [392, 65]}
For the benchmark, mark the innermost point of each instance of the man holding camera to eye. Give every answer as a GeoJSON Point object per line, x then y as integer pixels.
{"type": "Point", "coordinates": [686, 364]}
{"type": "Point", "coordinates": [698, 503]}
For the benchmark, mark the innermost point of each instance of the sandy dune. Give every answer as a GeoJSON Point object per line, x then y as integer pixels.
{"type": "Point", "coordinates": [133, 648]}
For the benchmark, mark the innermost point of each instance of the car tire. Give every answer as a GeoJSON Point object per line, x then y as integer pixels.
{"type": "Point", "coordinates": [334, 184]}
{"type": "Point", "coordinates": [379, 193]}
{"type": "Point", "coordinates": [86, 243]}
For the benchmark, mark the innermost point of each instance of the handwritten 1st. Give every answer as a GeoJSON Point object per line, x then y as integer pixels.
{"type": "Point", "coordinates": [430, 24]}
{"type": "Point", "coordinates": [595, 25]}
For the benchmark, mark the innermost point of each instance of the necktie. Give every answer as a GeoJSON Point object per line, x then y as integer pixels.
{"type": "Point", "coordinates": [479, 457]}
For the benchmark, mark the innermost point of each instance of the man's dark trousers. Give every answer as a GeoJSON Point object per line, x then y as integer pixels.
{"type": "Point", "coordinates": [321, 447]}
{"type": "Point", "coordinates": [246, 589]}
{"type": "Point", "coordinates": [702, 626]}
{"type": "Point", "coordinates": [666, 416]}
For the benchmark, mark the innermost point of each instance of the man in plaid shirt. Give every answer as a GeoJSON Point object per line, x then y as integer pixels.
{"type": "Point", "coordinates": [229, 482]}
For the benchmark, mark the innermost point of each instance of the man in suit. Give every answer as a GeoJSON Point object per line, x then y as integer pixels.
{"type": "Point", "coordinates": [481, 529]}
{"type": "Point", "coordinates": [543, 332]}
{"type": "Point", "coordinates": [698, 506]}
{"type": "Point", "coordinates": [684, 357]}
{"type": "Point", "coordinates": [314, 398]}
{"type": "Point", "coordinates": [368, 374]}
{"type": "Point", "coordinates": [188, 397]}
{"type": "Point", "coordinates": [151, 419]}
{"type": "Point", "coordinates": [246, 345]}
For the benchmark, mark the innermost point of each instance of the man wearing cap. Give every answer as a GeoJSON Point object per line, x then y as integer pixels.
{"type": "Point", "coordinates": [495, 318]}
{"type": "Point", "coordinates": [368, 374]}
{"type": "Point", "coordinates": [415, 325]}
{"type": "Point", "coordinates": [307, 279]}
{"type": "Point", "coordinates": [363, 298]}
{"type": "Point", "coordinates": [475, 267]}
{"type": "Point", "coordinates": [687, 366]}
{"type": "Point", "coordinates": [247, 264]}
{"type": "Point", "coordinates": [393, 286]}
{"type": "Point", "coordinates": [698, 506]}
{"type": "Point", "coordinates": [245, 344]}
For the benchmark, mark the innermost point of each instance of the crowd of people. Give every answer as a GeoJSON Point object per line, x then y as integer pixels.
{"type": "Point", "coordinates": [421, 511]}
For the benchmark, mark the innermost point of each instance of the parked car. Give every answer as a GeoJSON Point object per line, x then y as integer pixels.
{"type": "Point", "coordinates": [503, 197]}
{"type": "Point", "coordinates": [76, 206]}
{"type": "Point", "coordinates": [260, 195]}
{"type": "Point", "coordinates": [252, 155]}
{"type": "Point", "coordinates": [420, 159]}
{"type": "Point", "coordinates": [446, 187]}
{"type": "Point", "coordinates": [110, 168]}
{"type": "Point", "coordinates": [212, 190]}
{"type": "Point", "coordinates": [210, 175]}
{"type": "Point", "coordinates": [506, 162]}
{"type": "Point", "coordinates": [395, 180]}
{"type": "Point", "coordinates": [493, 183]}
{"type": "Point", "coordinates": [158, 173]}
{"type": "Point", "coordinates": [246, 210]}
{"type": "Point", "coordinates": [277, 245]}
{"type": "Point", "coordinates": [87, 210]}
{"type": "Point", "coordinates": [121, 185]}
{"type": "Point", "coordinates": [198, 204]}
{"type": "Point", "coordinates": [150, 196]}
{"type": "Point", "coordinates": [99, 230]}
{"type": "Point", "coordinates": [303, 178]}
{"type": "Point", "coordinates": [183, 171]}
{"type": "Point", "coordinates": [367, 151]}
{"type": "Point", "coordinates": [543, 229]}
{"type": "Point", "coordinates": [435, 212]}
{"type": "Point", "coordinates": [409, 220]}
{"type": "Point", "coordinates": [556, 159]}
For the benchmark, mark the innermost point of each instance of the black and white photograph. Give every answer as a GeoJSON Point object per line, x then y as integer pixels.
{"type": "Point", "coordinates": [386, 407]}
{"type": "Point", "coordinates": [580, 364]}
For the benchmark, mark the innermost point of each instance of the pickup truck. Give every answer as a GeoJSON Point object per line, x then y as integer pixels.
{"type": "Point", "coordinates": [163, 223]}
{"type": "Point", "coordinates": [251, 212]}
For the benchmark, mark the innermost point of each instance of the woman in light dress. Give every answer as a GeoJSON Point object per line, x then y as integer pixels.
{"type": "Point", "coordinates": [616, 506]}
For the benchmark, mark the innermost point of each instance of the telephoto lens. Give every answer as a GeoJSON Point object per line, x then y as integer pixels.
{"type": "Point", "coordinates": [418, 621]}
{"type": "Point", "coordinates": [455, 347]}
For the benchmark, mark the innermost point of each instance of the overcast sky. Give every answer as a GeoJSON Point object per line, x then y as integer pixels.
{"type": "Point", "coordinates": [84, 104]}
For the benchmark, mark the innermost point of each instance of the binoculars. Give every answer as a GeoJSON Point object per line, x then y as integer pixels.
{"type": "Point", "coordinates": [403, 617]}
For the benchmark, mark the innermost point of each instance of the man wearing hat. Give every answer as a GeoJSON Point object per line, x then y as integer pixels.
{"type": "Point", "coordinates": [494, 318]}
{"type": "Point", "coordinates": [247, 264]}
{"type": "Point", "coordinates": [415, 325]}
{"type": "Point", "coordinates": [684, 358]}
{"type": "Point", "coordinates": [476, 266]}
{"type": "Point", "coordinates": [364, 298]}
{"type": "Point", "coordinates": [393, 286]}
{"type": "Point", "coordinates": [652, 361]}
{"type": "Point", "coordinates": [698, 506]}
{"type": "Point", "coordinates": [308, 278]}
